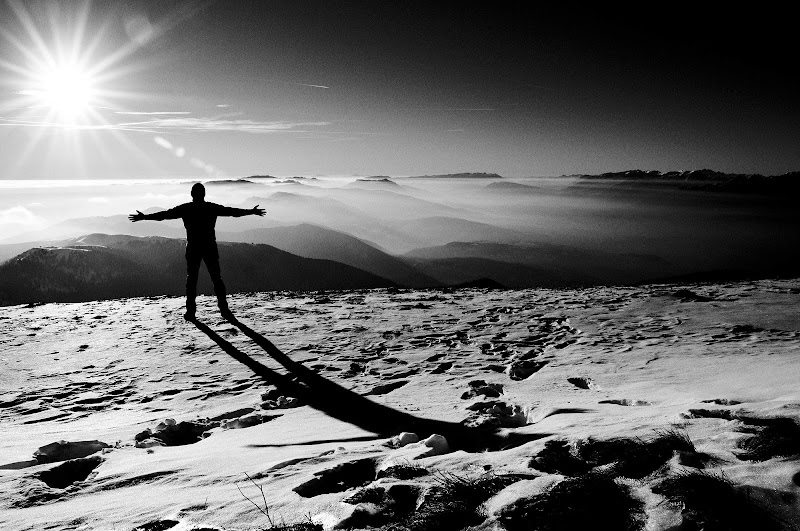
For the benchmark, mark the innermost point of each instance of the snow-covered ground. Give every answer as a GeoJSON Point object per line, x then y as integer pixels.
{"type": "Point", "coordinates": [554, 364]}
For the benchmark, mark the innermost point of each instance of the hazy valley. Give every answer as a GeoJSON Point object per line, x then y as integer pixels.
{"type": "Point", "coordinates": [434, 231]}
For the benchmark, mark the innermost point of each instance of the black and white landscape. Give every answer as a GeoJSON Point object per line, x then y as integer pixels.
{"type": "Point", "coordinates": [490, 266]}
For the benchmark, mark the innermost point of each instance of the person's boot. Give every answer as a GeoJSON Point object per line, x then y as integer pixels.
{"type": "Point", "coordinates": [191, 308]}
{"type": "Point", "coordinates": [224, 310]}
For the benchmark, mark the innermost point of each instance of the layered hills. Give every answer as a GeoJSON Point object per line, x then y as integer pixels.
{"type": "Point", "coordinates": [313, 241]}
{"type": "Point", "coordinates": [100, 266]}
{"type": "Point", "coordinates": [617, 228]}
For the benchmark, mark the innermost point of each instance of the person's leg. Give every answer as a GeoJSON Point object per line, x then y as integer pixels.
{"type": "Point", "coordinates": [193, 259]}
{"type": "Point", "coordinates": [211, 257]}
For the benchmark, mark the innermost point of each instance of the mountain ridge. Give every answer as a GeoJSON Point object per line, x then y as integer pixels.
{"type": "Point", "coordinates": [707, 180]}
{"type": "Point", "coordinates": [313, 241]}
{"type": "Point", "coordinates": [100, 266]}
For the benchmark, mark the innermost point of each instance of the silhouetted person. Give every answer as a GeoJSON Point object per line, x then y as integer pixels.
{"type": "Point", "coordinates": [199, 218]}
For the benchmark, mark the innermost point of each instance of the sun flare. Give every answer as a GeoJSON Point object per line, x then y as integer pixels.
{"type": "Point", "coordinates": [63, 76]}
{"type": "Point", "coordinates": [61, 69]}
{"type": "Point", "coordinates": [68, 91]}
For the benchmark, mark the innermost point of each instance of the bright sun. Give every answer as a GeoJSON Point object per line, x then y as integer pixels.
{"type": "Point", "coordinates": [67, 90]}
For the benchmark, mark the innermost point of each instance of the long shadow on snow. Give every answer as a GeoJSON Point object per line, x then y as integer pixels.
{"type": "Point", "coordinates": [347, 406]}
{"type": "Point", "coordinates": [318, 441]}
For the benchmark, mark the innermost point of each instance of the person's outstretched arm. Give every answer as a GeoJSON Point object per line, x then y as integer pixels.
{"type": "Point", "coordinates": [239, 212]}
{"type": "Point", "coordinates": [172, 213]}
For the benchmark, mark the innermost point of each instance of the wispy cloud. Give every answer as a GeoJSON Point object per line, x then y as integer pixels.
{"type": "Point", "coordinates": [307, 85]}
{"type": "Point", "coordinates": [344, 139]}
{"type": "Point", "coordinates": [166, 125]}
{"type": "Point", "coordinates": [213, 124]}
{"type": "Point", "coordinates": [155, 113]}
{"type": "Point", "coordinates": [453, 109]}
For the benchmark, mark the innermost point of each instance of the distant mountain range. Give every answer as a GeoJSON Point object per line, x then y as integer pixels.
{"type": "Point", "coordinates": [313, 241]}
{"type": "Point", "coordinates": [100, 266]}
{"type": "Point", "coordinates": [466, 175]}
{"type": "Point", "coordinates": [709, 180]}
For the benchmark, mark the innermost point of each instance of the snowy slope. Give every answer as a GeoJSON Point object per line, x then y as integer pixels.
{"type": "Point", "coordinates": [559, 364]}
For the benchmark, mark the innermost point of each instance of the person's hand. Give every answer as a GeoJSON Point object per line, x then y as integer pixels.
{"type": "Point", "coordinates": [136, 217]}
{"type": "Point", "coordinates": [258, 211]}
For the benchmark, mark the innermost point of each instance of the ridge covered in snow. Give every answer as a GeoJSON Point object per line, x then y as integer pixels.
{"type": "Point", "coordinates": [391, 407]}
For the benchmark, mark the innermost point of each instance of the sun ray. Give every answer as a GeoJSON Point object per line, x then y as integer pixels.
{"type": "Point", "coordinates": [29, 53]}
{"type": "Point", "coordinates": [32, 32]}
{"type": "Point", "coordinates": [94, 44]}
{"type": "Point", "coordinates": [80, 32]}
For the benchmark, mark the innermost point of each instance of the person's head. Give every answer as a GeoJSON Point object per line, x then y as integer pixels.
{"type": "Point", "coordinates": [198, 192]}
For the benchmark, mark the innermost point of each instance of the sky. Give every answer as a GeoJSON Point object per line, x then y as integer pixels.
{"type": "Point", "coordinates": [147, 89]}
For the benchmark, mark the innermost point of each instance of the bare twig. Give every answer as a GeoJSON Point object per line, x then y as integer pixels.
{"type": "Point", "coordinates": [265, 510]}
{"type": "Point", "coordinates": [263, 497]}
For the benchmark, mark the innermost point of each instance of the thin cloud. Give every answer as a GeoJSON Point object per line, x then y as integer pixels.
{"type": "Point", "coordinates": [306, 85]}
{"type": "Point", "coordinates": [454, 109]}
{"type": "Point", "coordinates": [223, 105]}
{"type": "Point", "coordinates": [210, 124]}
{"type": "Point", "coordinates": [155, 113]}
{"type": "Point", "coordinates": [345, 139]}
{"type": "Point", "coordinates": [167, 125]}
{"type": "Point", "coordinates": [8, 122]}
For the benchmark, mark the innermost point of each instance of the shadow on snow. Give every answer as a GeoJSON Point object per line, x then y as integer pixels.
{"type": "Point", "coordinates": [348, 406]}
